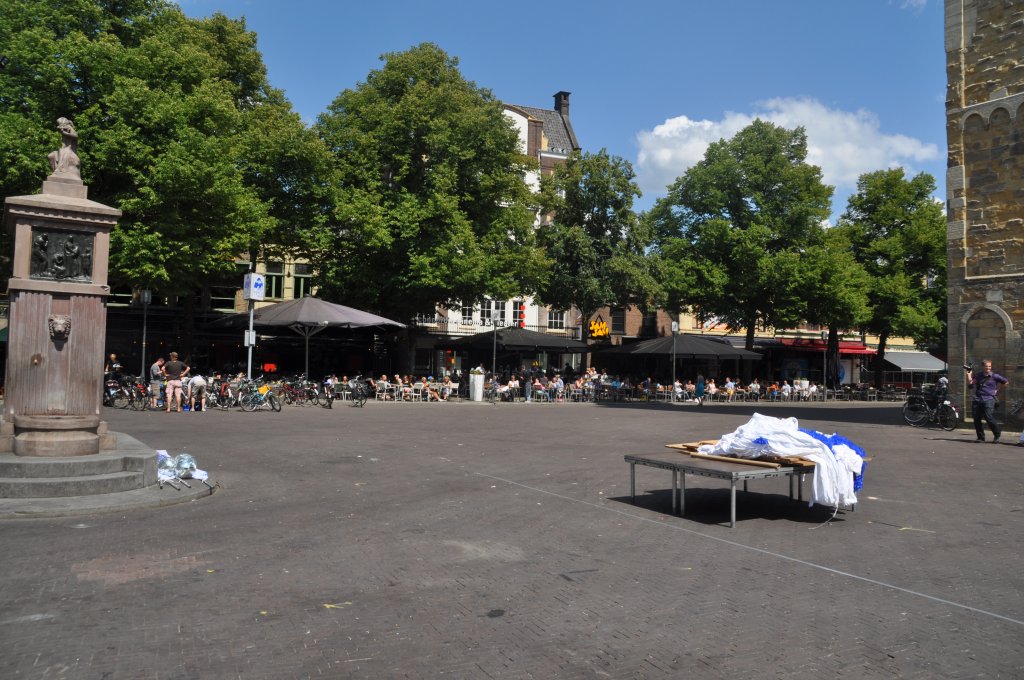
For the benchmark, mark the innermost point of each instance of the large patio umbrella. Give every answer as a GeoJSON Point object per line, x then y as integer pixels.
{"type": "Point", "coordinates": [687, 347]}
{"type": "Point", "coordinates": [519, 339]}
{"type": "Point", "coordinates": [308, 316]}
{"type": "Point", "coordinates": [515, 339]}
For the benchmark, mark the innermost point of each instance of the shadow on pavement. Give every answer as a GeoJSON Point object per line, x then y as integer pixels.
{"type": "Point", "coordinates": [884, 413]}
{"type": "Point", "coordinates": [711, 506]}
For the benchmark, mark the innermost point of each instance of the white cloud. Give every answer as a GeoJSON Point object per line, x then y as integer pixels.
{"type": "Point", "coordinates": [916, 5]}
{"type": "Point", "coordinates": [843, 144]}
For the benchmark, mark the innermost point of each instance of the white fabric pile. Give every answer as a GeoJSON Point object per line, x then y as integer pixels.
{"type": "Point", "coordinates": [763, 435]}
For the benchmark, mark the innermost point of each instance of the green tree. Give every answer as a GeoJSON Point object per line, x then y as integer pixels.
{"type": "Point", "coordinates": [178, 126]}
{"type": "Point", "coordinates": [836, 293]}
{"type": "Point", "coordinates": [432, 206]}
{"type": "Point", "coordinates": [898, 234]}
{"type": "Point", "coordinates": [594, 239]}
{"type": "Point", "coordinates": [733, 231]}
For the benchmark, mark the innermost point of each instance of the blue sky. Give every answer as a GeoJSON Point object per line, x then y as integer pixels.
{"type": "Point", "coordinates": [652, 81]}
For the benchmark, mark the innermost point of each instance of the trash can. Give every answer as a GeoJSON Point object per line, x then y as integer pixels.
{"type": "Point", "coordinates": [476, 386]}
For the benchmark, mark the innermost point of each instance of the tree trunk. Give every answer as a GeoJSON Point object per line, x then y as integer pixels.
{"type": "Point", "coordinates": [188, 309]}
{"type": "Point", "coordinates": [832, 354]}
{"type": "Point", "coordinates": [879, 359]}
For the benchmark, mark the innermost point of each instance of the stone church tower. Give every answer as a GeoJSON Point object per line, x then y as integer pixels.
{"type": "Point", "coordinates": [985, 194]}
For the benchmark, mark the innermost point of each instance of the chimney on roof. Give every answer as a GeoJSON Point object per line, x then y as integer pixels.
{"type": "Point", "coordinates": [562, 103]}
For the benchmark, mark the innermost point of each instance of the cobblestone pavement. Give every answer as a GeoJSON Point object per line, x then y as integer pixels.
{"type": "Point", "coordinates": [479, 541]}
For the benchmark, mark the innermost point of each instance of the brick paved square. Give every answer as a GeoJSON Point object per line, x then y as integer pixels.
{"type": "Point", "coordinates": [479, 541]}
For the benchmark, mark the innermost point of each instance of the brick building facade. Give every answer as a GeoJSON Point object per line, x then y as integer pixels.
{"type": "Point", "coordinates": [985, 192]}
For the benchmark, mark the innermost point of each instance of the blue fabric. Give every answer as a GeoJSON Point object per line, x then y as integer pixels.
{"type": "Point", "coordinates": [835, 440]}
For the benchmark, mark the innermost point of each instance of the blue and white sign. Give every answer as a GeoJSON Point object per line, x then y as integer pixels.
{"type": "Point", "coordinates": [254, 287]}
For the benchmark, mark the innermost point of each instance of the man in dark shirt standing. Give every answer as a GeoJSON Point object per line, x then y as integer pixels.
{"type": "Point", "coordinates": [986, 386]}
{"type": "Point", "coordinates": [174, 371]}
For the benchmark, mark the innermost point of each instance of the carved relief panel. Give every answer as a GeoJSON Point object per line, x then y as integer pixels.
{"type": "Point", "coordinates": [60, 255]}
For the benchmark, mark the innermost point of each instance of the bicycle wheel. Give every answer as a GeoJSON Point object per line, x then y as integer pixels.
{"type": "Point", "coordinates": [250, 401]}
{"type": "Point", "coordinates": [915, 413]}
{"type": "Point", "coordinates": [948, 417]}
{"type": "Point", "coordinates": [312, 396]}
{"type": "Point", "coordinates": [121, 399]}
{"type": "Point", "coordinates": [274, 402]}
{"type": "Point", "coordinates": [359, 397]}
{"type": "Point", "coordinates": [139, 400]}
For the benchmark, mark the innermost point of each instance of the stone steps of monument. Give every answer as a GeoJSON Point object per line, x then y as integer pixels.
{"type": "Point", "coordinates": [152, 496]}
{"type": "Point", "coordinates": [33, 467]}
{"type": "Point", "coordinates": [81, 485]}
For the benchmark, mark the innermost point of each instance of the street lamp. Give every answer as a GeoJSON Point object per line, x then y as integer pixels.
{"type": "Point", "coordinates": [675, 329]}
{"type": "Point", "coordinates": [145, 297]}
{"type": "Point", "coordinates": [824, 365]}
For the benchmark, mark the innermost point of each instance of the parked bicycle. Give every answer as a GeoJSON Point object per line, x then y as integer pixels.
{"type": "Point", "coordinates": [222, 394]}
{"type": "Point", "coordinates": [255, 394]}
{"type": "Point", "coordinates": [116, 391]}
{"type": "Point", "coordinates": [138, 391]}
{"type": "Point", "coordinates": [922, 409]}
{"type": "Point", "coordinates": [298, 391]}
{"type": "Point", "coordinates": [358, 390]}
{"type": "Point", "coordinates": [327, 395]}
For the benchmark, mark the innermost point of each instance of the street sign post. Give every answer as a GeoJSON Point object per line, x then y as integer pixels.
{"type": "Point", "coordinates": [254, 287]}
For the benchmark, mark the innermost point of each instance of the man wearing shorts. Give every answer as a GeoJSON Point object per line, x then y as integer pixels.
{"type": "Point", "coordinates": [156, 376]}
{"type": "Point", "coordinates": [174, 371]}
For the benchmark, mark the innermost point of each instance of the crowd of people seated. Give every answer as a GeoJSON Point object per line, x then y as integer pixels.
{"type": "Point", "coordinates": [591, 384]}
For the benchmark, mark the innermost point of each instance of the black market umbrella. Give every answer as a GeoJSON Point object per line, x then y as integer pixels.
{"type": "Point", "coordinates": [515, 339]}
{"type": "Point", "coordinates": [686, 347]}
{"type": "Point", "coordinates": [308, 316]}
{"type": "Point", "coordinates": [519, 339]}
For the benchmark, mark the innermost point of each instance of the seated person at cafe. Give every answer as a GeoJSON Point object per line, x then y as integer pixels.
{"type": "Point", "coordinates": [711, 389]}
{"type": "Point", "coordinates": [557, 386]}
{"type": "Point", "coordinates": [431, 392]}
{"type": "Point", "coordinates": [787, 390]}
{"type": "Point", "coordinates": [730, 388]}
{"type": "Point", "coordinates": [512, 388]}
{"type": "Point", "coordinates": [689, 388]}
{"type": "Point", "coordinates": [754, 390]}
{"type": "Point", "coordinates": [446, 388]}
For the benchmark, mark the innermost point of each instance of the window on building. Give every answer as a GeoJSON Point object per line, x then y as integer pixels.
{"type": "Point", "coordinates": [467, 314]}
{"type": "Point", "coordinates": [556, 319]}
{"type": "Point", "coordinates": [485, 312]}
{"type": "Point", "coordinates": [275, 279]}
{"type": "Point", "coordinates": [303, 280]}
{"type": "Point", "coordinates": [649, 326]}
{"type": "Point", "coordinates": [618, 315]}
{"type": "Point", "coordinates": [498, 314]}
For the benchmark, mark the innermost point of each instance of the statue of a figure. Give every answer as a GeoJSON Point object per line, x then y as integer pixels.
{"type": "Point", "coordinates": [65, 161]}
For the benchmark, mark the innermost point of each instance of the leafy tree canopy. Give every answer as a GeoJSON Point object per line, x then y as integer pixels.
{"type": "Point", "coordinates": [597, 245]}
{"type": "Point", "coordinates": [178, 128]}
{"type": "Point", "coordinates": [432, 204]}
{"type": "Point", "coordinates": [898, 234]}
{"type": "Point", "coordinates": [734, 230]}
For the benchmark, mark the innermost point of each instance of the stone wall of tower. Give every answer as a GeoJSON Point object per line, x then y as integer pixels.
{"type": "Point", "coordinates": [985, 193]}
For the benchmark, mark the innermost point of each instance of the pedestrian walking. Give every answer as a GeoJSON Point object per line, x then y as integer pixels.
{"type": "Point", "coordinates": [983, 409]}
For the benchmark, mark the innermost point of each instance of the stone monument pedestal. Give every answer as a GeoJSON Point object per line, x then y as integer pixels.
{"type": "Point", "coordinates": [58, 314]}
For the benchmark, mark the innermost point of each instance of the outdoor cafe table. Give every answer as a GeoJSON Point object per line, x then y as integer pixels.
{"type": "Point", "coordinates": [681, 464]}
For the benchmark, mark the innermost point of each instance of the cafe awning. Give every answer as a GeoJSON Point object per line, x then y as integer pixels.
{"type": "Point", "coordinates": [817, 345]}
{"type": "Point", "coordinates": [915, 361]}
